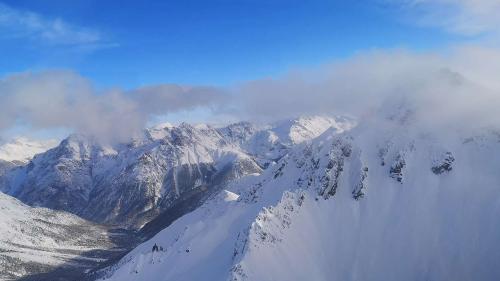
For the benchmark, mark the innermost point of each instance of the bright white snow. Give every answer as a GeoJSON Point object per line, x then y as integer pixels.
{"type": "Point", "coordinates": [22, 149]}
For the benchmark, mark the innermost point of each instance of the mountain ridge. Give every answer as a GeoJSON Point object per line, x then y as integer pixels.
{"type": "Point", "coordinates": [131, 182]}
{"type": "Point", "coordinates": [322, 213]}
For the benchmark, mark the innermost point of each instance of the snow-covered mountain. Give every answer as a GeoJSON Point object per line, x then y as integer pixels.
{"type": "Point", "coordinates": [21, 150]}
{"type": "Point", "coordinates": [37, 240]}
{"type": "Point", "coordinates": [269, 143]}
{"type": "Point", "coordinates": [387, 200]}
{"type": "Point", "coordinates": [18, 152]}
{"type": "Point", "coordinates": [130, 184]}
{"type": "Point", "coordinates": [152, 180]}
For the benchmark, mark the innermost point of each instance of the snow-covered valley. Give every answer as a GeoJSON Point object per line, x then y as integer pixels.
{"type": "Point", "coordinates": [39, 240]}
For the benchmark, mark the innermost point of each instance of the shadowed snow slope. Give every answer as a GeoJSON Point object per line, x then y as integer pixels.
{"type": "Point", "coordinates": [385, 201]}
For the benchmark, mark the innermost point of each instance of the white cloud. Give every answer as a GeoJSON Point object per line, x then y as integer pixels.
{"type": "Point", "coordinates": [458, 89]}
{"type": "Point", "coordinates": [468, 17]}
{"type": "Point", "coordinates": [454, 90]}
{"type": "Point", "coordinates": [58, 99]}
{"type": "Point", "coordinates": [27, 24]}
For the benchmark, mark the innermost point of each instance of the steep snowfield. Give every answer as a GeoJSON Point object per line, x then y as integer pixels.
{"type": "Point", "coordinates": [384, 201]}
{"type": "Point", "coordinates": [22, 149]}
{"type": "Point", "coordinates": [35, 240]}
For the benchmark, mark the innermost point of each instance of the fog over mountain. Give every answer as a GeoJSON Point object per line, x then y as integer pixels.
{"type": "Point", "coordinates": [249, 141]}
{"type": "Point", "coordinates": [466, 85]}
{"type": "Point", "coordinates": [387, 200]}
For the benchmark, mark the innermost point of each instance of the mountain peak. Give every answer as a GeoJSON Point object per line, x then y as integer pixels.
{"type": "Point", "coordinates": [22, 149]}
{"type": "Point", "coordinates": [305, 128]}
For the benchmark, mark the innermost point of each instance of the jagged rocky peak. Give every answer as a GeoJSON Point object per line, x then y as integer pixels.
{"type": "Point", "coordinates": [184, 134]}
{"type": "Point", "coordinates": [132, 183]}
{"type": "Point", "coordinates": [75, 146]}
{"type": "Point", "coordinates": [78, 147]}
{"type": "Point", "coordinates": [240, 132]}
{"type": "Point", "coordinates": [304, 128]}
{"type": "Point", "coordinates": [268, 143]}
{"type": "Point", "coordinates": [290, 131]}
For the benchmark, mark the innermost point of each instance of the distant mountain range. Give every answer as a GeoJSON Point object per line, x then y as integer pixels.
{"type": "Point", "coordinates": [21, 150]}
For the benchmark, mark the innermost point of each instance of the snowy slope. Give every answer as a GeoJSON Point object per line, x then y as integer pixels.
{"type": "Point", "coordinates": [22, 149]}
{"type": "Point", "coordinates": [384, 201]}
{"type": "Point", "coordinates": [295, 131]}
{"type": "Point", "coordinates": [130, 184]}
{"type": "Point", "coordinates": [35, 240]}
{"type": "Point", "coordinates": [269, 143]}
{"type": "Point", "coordinates": [123, 184]}
{"type": "Point", "coordinates": [151, 180]}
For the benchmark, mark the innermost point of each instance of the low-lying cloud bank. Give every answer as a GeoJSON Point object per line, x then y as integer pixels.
{"type": "Point", "coordinates": [54, 99]}
{"type": "Point", "coordinates": [453, 90]}
{"type": "Point", "coordinates": [458, 88]}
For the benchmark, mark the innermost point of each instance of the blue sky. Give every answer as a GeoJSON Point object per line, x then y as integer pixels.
{"type": "Point", "coordinates": [136, 43]}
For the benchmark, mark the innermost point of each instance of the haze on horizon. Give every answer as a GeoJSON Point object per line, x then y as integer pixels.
{"type": "Point", "coordinates": [89, 67]}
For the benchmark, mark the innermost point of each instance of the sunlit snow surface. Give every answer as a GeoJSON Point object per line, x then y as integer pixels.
{"type": "Point", "coordinates": [23, 149]}
{"type": "Point", "coordinates": [379, 202]}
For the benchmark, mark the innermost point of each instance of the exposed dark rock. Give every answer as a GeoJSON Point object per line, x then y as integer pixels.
{"type": "Point", "coordinates": [396, 170]}
{"type": "Point", "coordinates": [359, 190]}
{"type": "Point", "coordinates": [444, 165]}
